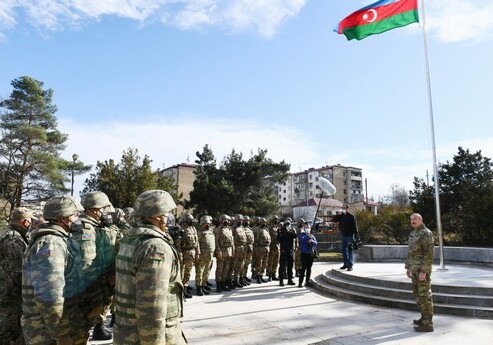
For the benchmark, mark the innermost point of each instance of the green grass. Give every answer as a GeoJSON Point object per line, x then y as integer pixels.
{"type": "Point", "coordinates": [330, 256]}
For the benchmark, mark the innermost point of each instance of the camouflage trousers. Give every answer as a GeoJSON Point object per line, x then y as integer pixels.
{"type": "Point", "coordinates": [273, 260]}
{"type": "Point", "coordinates": [203, 268]}
{"type": "Point", "coordinates": [10, 323]}
{"type": "Point", "coordinates": [248, 260]}
{"type": "Point", "coordinates": [254, 262]}
{"type": "Point", "coordinates": [239, 260]}
{"type": "Point", "coordinates": [424, 298]}
{"type": "Point", "coordinates": [223, 267]}
{"type": "Point", "coordinates": [297, 259]}
{"type": "Point", "coordinates": [262, 257]}
{"type": "Point", "coordinates": [74, 326]}
{"type": "Point", "coordinates": [186, 265]}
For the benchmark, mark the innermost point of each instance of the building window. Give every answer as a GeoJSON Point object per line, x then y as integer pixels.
{"type": "Point", "coordinates": [345, 191]}
{"type": "Point", "coordinates": [284, 199]}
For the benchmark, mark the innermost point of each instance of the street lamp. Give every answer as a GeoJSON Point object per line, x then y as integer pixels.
{"type": "Point", "coordinates": [75, 156]}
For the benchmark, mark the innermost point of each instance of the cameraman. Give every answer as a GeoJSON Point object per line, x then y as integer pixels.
{"type": "Point", "coordinates": [349, 232]}
{"type": "Point", "coordinates": [286, 236]}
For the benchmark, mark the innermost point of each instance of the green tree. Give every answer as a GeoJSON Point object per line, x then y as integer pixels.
{"type": "Point", "coordinates": [466, 198]}
{"type": "Point", "coordinates": [124, 181]}
{"type": "Point", "coordinates": [30, 164]}
{"type": "Point", "coordinates": [237, 185]}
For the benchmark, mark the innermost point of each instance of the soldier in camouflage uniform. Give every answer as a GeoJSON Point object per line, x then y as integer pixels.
{"type": "Point", "coordinates": [203, 264]}
{"type": "Point", "coordinates": [13, 243]}
{"type": "Point", "coordinates": [149, 291]}
{"type": "Point", "coordinates": [255, 229]}
{"type": "Point", "coordinates": [224, 253]}
{"type": "Point", "coordinates": [249, 250]}
{"type": "Point", "coordinates": [52, 279]}
{"type": "Point", "coordinates": [187, 245]}
{"type": "Point", "coordinates": [261, 247]}
{"type": "Point", "coordinates": [273, 260]}
{"type": "Point", "coordinates": [419, 264]}
{"type": "Point", "coordinates": [240, 239]}
{"type": "Point", "coordinates": [97, 240]}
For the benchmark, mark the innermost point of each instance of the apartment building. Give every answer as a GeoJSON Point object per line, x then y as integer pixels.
{"type": "Point", "coordinates": [183, 174]}
{"type": "Point", "coordinates": [302, 186]}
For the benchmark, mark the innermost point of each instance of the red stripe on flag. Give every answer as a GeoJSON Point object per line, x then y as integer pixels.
{"type": "Point", "coordinates": [376, 14]}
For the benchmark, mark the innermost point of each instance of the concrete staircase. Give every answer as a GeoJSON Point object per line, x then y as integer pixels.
{"type": "Point", "coordinates": [454, 300]}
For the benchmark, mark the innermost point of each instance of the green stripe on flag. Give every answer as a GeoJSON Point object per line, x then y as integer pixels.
{"type": "Point", "coordinates": [362, 31]}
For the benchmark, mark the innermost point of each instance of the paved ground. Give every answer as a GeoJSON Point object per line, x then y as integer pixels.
{"type": "Point", "coordinates": [270, 314]}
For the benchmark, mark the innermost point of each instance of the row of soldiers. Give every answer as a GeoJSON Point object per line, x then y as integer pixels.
{"type": "Point", "coordinates": [61, 275]}
{"type": "Point", "coordinates": [237, 245]}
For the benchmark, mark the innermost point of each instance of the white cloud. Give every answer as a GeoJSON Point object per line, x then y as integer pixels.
{"type": "Point", "coordinates": [264, 16]}
{"type": "Point", "coordinates": [168, 144]}
{"type": "Point", "coordinates": [460, 20]}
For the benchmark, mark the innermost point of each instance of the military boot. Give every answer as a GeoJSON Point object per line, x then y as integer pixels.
{"type": "Point", "coordinates": [219, 287]}
{"type": "Point", "coordinates": [270, 278]}
{"type": "Point", "coordinates": [100, 332]}
{"type": "Point", "coordinates": [187, 294]}
{"type": "Point", "coordinates": [204, 290]}
{"type": "Point", "coordinates": [291, 282]}
{"type": "Point", "coordinates": [205, 287]}
{"type": "Point", "coordinates": [245, 282]}
{"type": "Point", "coordinates": [258, 280]}
{"type": "Point", "coordinates": [418, 321]}
{"type": "Point", "coordinates": [231, 284]}
{"type": "Point", "coordinates": [274, 277]}
{"type": "Point", "coordinates": [247, 279]}
{"type": "Point", "coordinates": [281, 282]}
{"type": "Point", "coordinates": [199, 291]}
{"type": "Point", "coordinates": [262, 279]}
{"type": "Point", "coordinates": [208, 284]}
{"type": "Point", "coordinates": [424, 328]}
{"type": "Point", "coordinates": [237, 284]}
{"type": "Point", "coordinates": [225, 286]}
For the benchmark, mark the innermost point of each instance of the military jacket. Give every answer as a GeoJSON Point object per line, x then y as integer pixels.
{"type": "Point", "coordinates": [239, 235]}
{"type": "Point", "coordinates": [249, 238]}
{"type": "Point", "coordinates": [263, 238]}
{"type": "Point", "coordinates": [207, 241]}
{"type": "Point", "coordinates": [148, 290]}
{"type": "Point", "coordinates": [188, 239]}
{"type": "Point", "coordinates": [224, 239]}
{"type": "Point", "coordinates": [52, 282]}
{"type": "Point", "coordinates": [13, 243]}
{"type": "Point", "coordinates": [273, 236]}
{"type": "Point", "coordinates": [421, 250]}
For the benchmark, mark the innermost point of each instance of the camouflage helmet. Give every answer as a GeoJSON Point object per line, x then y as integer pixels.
{"type": "Point", "coordinates": [238, 217]}
{"type": "Point", "coordinates": [153, 203]}
{"type": "Point", "coordinates": [274, 218]}
{"type": "Point", "coordinates": [288, 220]}
{"type": "Point", "coordinates": [205, 220]}
{"type": "Point", "coordinates": [262, 220]}
{"type": "Point", "coordinates": [61, 207]}
{"type": "Point", "coordinates": [21, 213]}
{"type": "Point", "coordinates": [95, 200]}
{"type": "Point", "coordinates": [224, 217]}
{"type": "Point", "coordinates": [301, 221]}
{"type": "Point", "coordinates": [128, 210]}
{"type": "Point", "coordinates": [187, 217]}
{"type": "Point", "coordinates": [246, 218]}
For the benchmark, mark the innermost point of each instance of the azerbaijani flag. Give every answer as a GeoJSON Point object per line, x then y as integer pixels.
{"type": "Point", "coordinates": [379, 17]}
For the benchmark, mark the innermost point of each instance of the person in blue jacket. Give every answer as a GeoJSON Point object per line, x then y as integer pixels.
{"type": "Point", "coordinates": [307, 243]}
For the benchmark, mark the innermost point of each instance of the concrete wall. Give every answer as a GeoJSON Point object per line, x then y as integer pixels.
{"type": "Point", "coordinates": [399, 252]}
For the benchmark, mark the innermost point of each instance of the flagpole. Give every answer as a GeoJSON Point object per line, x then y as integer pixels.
{"type": "Point", "coordinates": [432, 127]}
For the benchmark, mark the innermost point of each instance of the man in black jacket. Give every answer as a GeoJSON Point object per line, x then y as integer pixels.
{"type": "Point", "coordinates": [286, 236]}
{"type": "Point", "coordinates": [349, 232]}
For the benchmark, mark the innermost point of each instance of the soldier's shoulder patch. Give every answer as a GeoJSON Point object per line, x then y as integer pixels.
{"type": "Point", "coordinates": [157, 256]}
{"type": "Point", "coordinates": [44, 252]}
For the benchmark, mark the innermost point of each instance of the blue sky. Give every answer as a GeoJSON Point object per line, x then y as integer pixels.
{"type": "Point", "coordinates": [167, 77]}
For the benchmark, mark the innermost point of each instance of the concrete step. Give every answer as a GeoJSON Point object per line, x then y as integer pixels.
{"type": "Point", "coordinates": [396, 297]}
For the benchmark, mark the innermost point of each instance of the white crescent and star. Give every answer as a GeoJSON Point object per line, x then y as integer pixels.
{"type": "Point", "coordinates": [368, 15]}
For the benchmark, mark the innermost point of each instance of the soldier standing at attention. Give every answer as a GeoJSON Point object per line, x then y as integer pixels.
{"type": "Point", "coordinates": [418, 265]}
{"type": "Point", "coordinates": [240, 239]}
{"type": "Point", "coordinates": [187, 245]}
{"type": "Point", "coordinates": [207, 244]}
{"type": "Point", "coordinates": [52, 279]}
{"type": "Point", "coordinates": [13, 243]}
{"type": "Point", "coordinates": [249, 250]}
{"type": "Point", "coordinates": [286, 237]}
{"type": "Point", "coordinates": [261, 248]}
{"type": "Point", "coordinates": [97, 241]}
{"type": "Point", "coordinates": [149, 291]}
{"type": "Point", "coordinates": [224, 253]}
{"type": "Point", "coordinates": [273, 260]}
